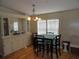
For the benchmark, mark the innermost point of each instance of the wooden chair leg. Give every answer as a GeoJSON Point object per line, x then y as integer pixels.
{"type": "Point", "coordinates": [59, 51]}
{"type": "Point", "coordinates": [47, 49]}
{"type": "Point", "coordinates": [43, 50]}
{"type": "Point", "coordinates": [37, 51]}
{"type": "Point", "coordinates": [51, 48]}
{"type": "Point", "coordinates": [56, 52]}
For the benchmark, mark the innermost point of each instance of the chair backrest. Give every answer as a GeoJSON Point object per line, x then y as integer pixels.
{"type": "Point", "coordinates": [34, 40]}
{"type": "Point", "coordinates": [37, 39]}
{"type": "Point", "coordinates": [58, 37]}
{"type": "Point", "coordinates": [40, 39]}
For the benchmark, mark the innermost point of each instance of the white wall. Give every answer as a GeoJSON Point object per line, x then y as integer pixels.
{"type": "Point", "coordinates": [7, 12]}
{"type": "Point", "coordinates": [69, 24]}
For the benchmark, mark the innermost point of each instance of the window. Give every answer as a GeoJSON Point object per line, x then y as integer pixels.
{"type": "Point", "coordinates": [44, 26]}
{"type": "Point", "coordinates": [41, 27]}
{"type": "Point", "coordinates": [53, 26]}
{"type": "Point", "coordinates": [15, 26]}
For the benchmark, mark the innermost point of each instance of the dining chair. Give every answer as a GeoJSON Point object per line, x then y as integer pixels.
{"type": "Point", "coordinates": [56, 45]}
{"type": "Point", "coordinates": [34, 42]}
{"type": "Point", "coordinates": [40, 45]}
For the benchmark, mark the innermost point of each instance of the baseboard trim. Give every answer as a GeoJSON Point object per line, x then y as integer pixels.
{"type": "Point", "coordinates": [75, 46]}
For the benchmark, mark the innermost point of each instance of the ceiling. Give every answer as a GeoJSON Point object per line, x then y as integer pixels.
{"type": "Point", "coordinates": [42, 6]}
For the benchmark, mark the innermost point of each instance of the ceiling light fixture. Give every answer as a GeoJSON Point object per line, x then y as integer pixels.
{"type": "Point", "coordinates": [33, 17]}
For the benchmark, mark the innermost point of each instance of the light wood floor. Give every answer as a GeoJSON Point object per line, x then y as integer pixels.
{"type": "Point", "coordinates": [27, 53]}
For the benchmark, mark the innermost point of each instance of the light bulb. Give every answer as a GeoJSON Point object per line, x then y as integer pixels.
{"type": "Point", "coordinates": [29, 18]}
{"type": "Point", "coordinates": [36, 18]}
{"type": "Point", "coordinates": [39, 19]}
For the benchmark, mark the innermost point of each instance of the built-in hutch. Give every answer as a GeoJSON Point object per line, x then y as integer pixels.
{"type": "Point", "coordinates": [14, 34]}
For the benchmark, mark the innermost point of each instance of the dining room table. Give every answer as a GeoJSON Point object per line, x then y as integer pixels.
{"type": "Point", "coordinates": [49, 39]}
